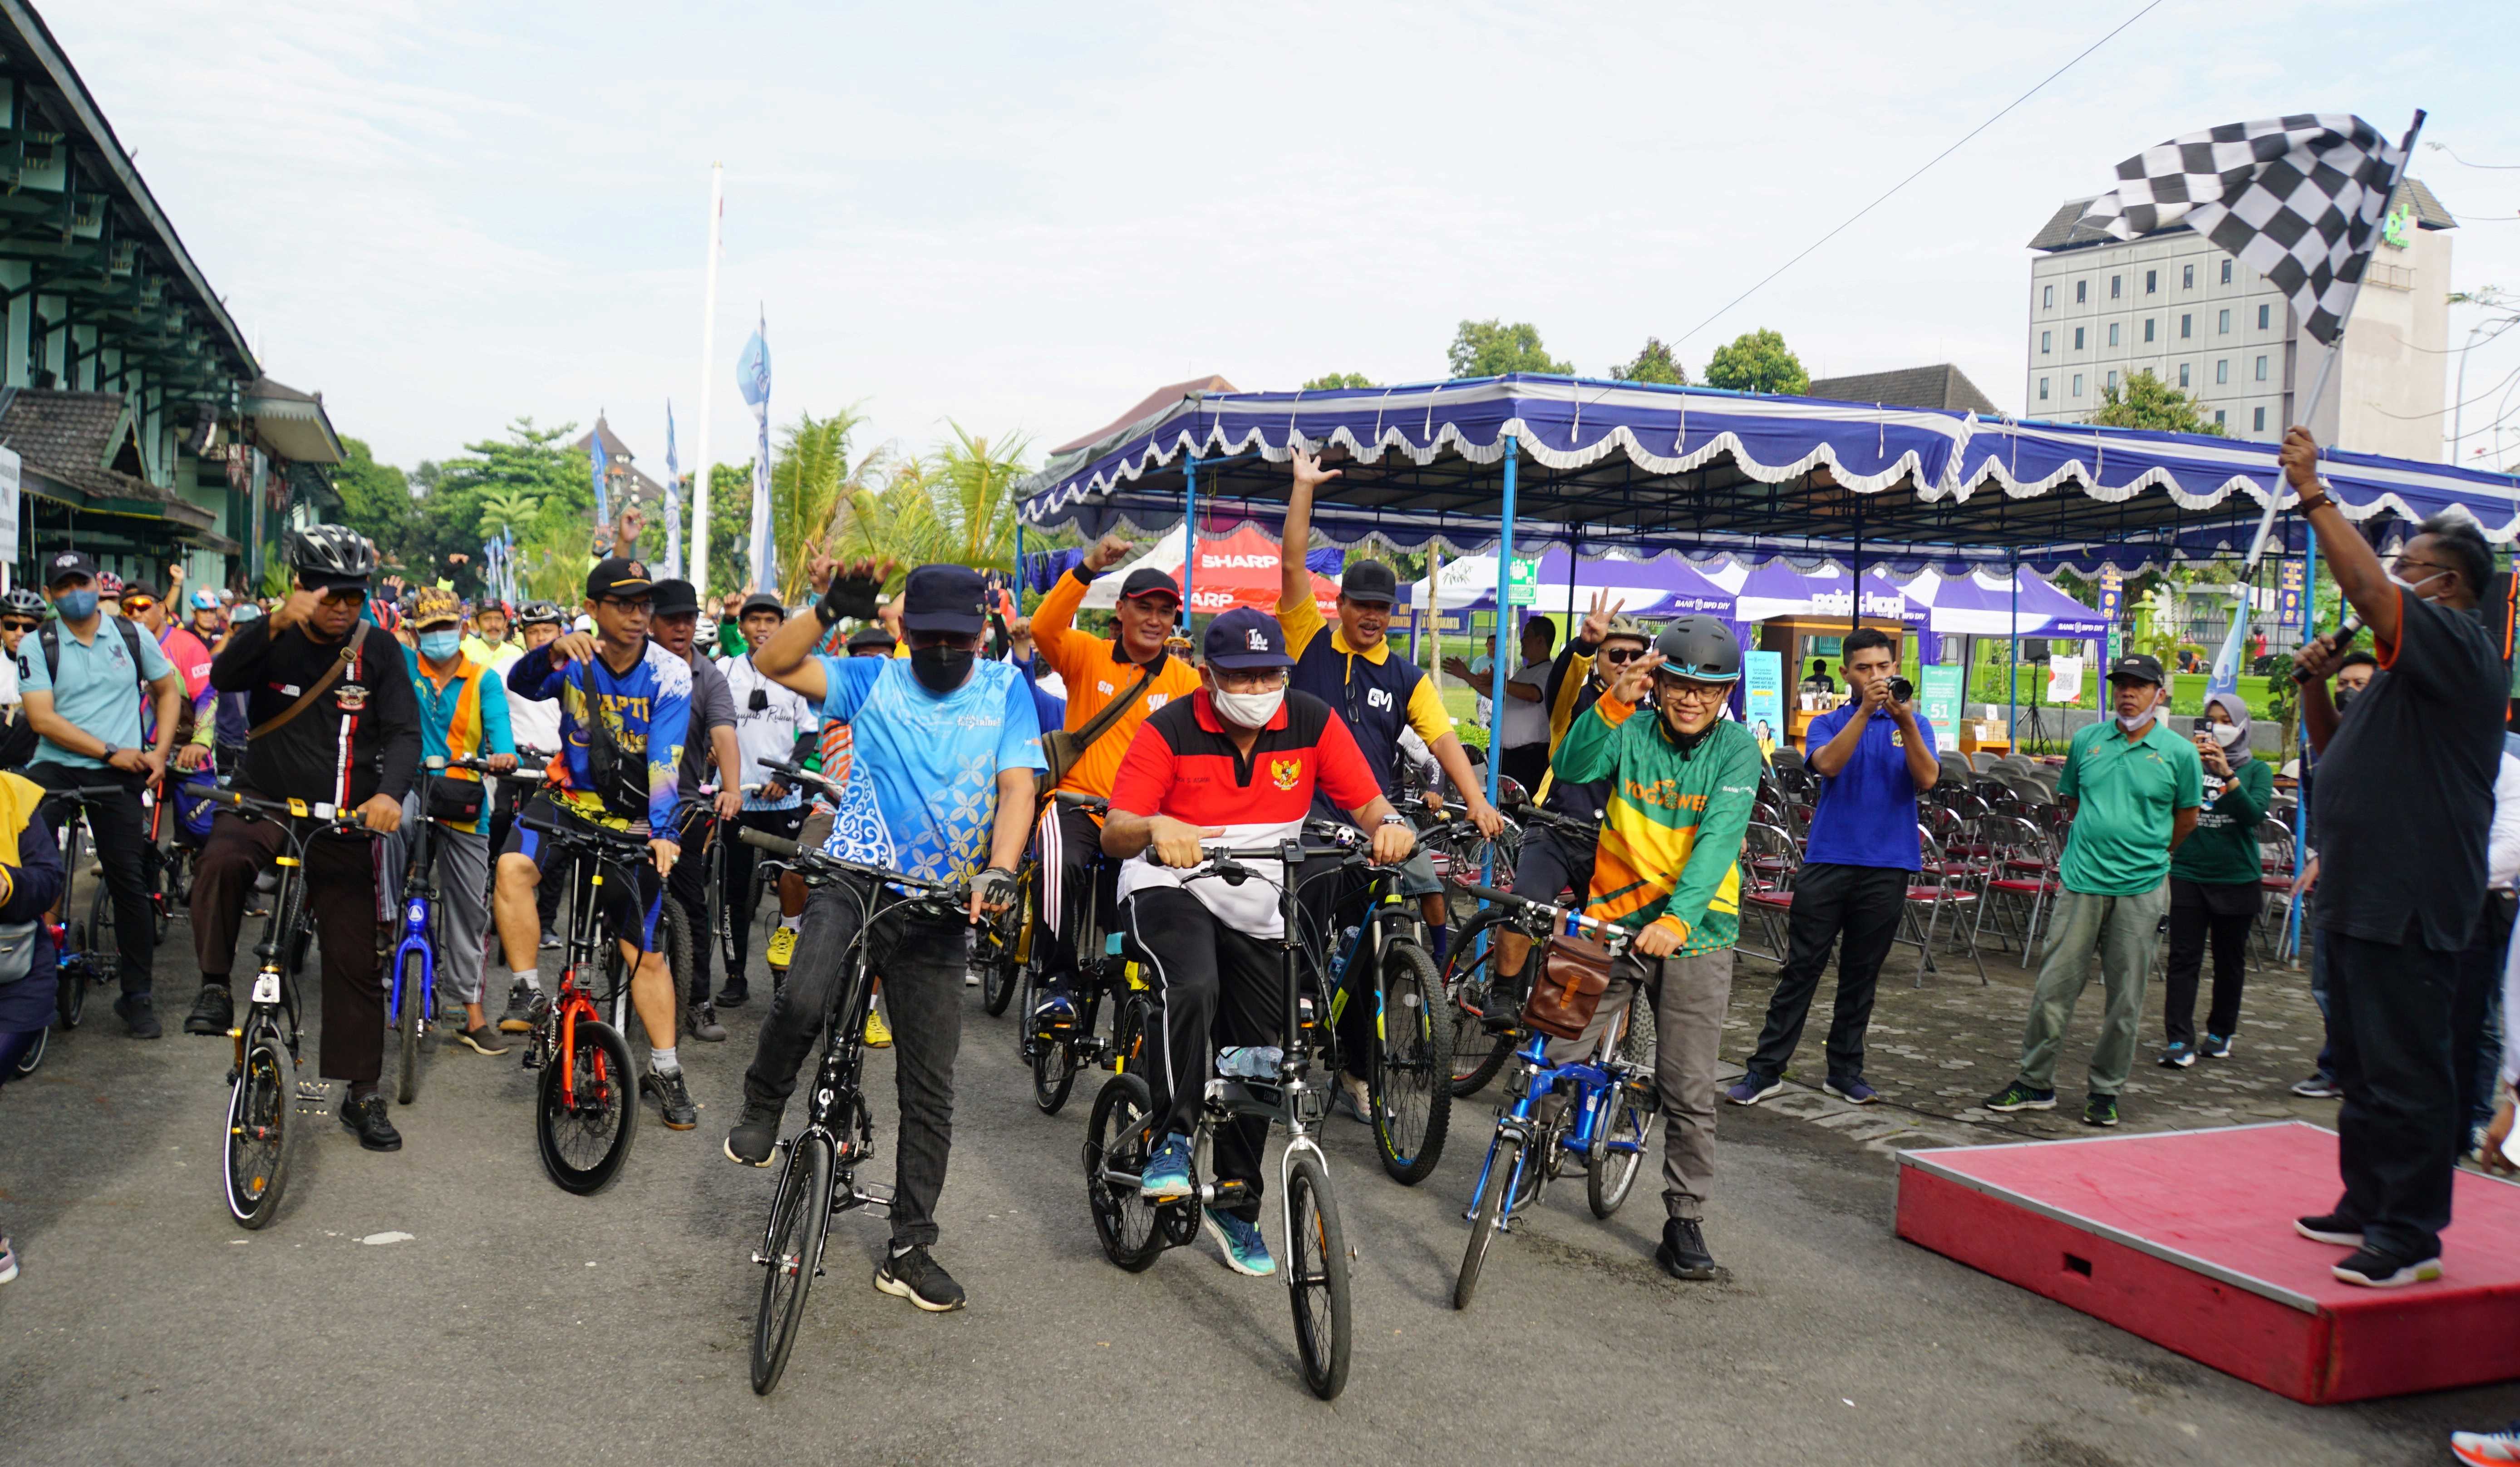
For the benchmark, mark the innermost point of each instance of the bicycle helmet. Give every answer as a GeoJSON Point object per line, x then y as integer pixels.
{"type": "Point", "coordinates": [539, 613]}
{"type": "Point", "coordinates": [20, 601]}
{"type": "Point", "coordinates": [1623, 625]}
{"type": "Point", "coordinates": [1700, 648]}
{"type": "Point", "coordinates": [331, 554]}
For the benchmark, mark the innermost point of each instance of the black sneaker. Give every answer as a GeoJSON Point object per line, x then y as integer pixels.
{"type": "Point", "coordinates": [2019, 1097]}
{"type": "Point", "coordinates": [213, 1013]}
{"type": "Point", "coordinates": [705, 1024]}
{"type": "Point", "coordinates": [673, 1099]}
{"type": "Point", "coordinates": [481, 1038]}
{"type": "Point", "coordinates": [2382, 1270]}
{"type": "Point", "coordinates": [915, 1276]}
{"type": "Point", "coordinates": [754, 1139]}
{"type": "Point", "coordinates": [1682, 1253]}
{"type": "Point", "coordinates": [366, 1119]}
{"type": "Point", "coordinates": [2100, 1110]}
{"type": "Point", "coordinates": [735, 995]}
{"type": "Point", "coordinates": [525, 1006]}
{"type": "Point", "coordinates": [139, 1014]}
{"type": "Point", "coordinates": [2332, 1228]}
{"type": "Point", "coordinates": [551, 941]}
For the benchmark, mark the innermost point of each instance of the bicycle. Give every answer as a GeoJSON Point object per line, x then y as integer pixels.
{"type": "Point", "coordinates": [410, 1001]}
{"type": "Point", "coordinates": [818, 1177]}
{"type": "Point", "coordinates": [262, 1085]}
{"type": "Point", "coordinates": [78, 967]}
{"type": "Point", "coordinates": [1482, 1042]}
{"type": "Point", "coordinates": [1056, 1055]}
{"type": "Point", "coordinates": [1409, 1064]}
{"type": "Point", "coordinates": [1609, 1108]}
{"type": "Point", "coordinates": [1119, 1137]}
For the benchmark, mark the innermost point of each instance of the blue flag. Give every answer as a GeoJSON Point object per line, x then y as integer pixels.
{"type": "Point", "coordinates": [673, 502]}
{"type": "Point", "coordinates": [752, 375]}
{"type": "Point", "coordinates": [595, 450]}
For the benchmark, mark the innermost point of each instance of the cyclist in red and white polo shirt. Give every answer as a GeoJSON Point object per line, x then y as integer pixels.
{"type": "Point", "coordinates": [1234, 764]}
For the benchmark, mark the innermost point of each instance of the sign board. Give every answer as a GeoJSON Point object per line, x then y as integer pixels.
{"type": "Point", "coordinates": [2064, 680]}
{"type": "Point", "coordinates": [1941, 696]}
{"type": "Point", "coordinates": [2288, 589]}
{"type": "Point", "coordinates": [9, 511]}
{"type": "Point", "coordinates": [1522, 580]}
{"type": "Point", "coordinates": [2113, 598]}
{"type": "Point", "coordinates": [1763, 679]}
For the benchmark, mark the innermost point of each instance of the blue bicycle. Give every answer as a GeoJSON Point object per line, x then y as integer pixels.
{"type": "Point", "coordinates": [411, 1007]}
{"type": "Point", "coordinates": [1601, 1108]}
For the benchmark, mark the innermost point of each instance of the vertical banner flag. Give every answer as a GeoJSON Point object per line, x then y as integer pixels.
{"type": "Point", "coordinates": [2288, 593]}
{"type": "Point", "coordinates": [2112, 597]}
{"type": "Point", "coordinates": [2226, 660]}
{"type": "Point", "coordinates": [1941, 696]}
{"type": "Point", "coordinates": [752, 375]}
{"type": "Point", "coordinates": [595, 454]}
{"type": "Point", "coordinates": [1763, 676]}
{"type": "Point", "coordinates": [673, 500]}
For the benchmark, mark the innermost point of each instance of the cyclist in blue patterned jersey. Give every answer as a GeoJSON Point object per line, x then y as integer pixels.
{"type": "Point", "coordinates": [625, 711]}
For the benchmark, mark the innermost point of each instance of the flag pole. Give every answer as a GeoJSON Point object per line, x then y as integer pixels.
{"type": "Point", "coordinates": [708, 344]}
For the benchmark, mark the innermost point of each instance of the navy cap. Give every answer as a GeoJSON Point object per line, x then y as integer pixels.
{"type": "Point", "coordinates": [616, 576]}
{"type": "Point", "coordinates": [1369, 581]}
{"type": "Point", "coordinates": [1243, 639]}
{"type": "Point", "coordinates": [1146, 580]}
{"type": "Point", "coordinates": [944, 598]}
{"type": "Point", "coordinates": [872, 634]}
{"type": "Point", "coordinates": [763, 600]}
{"type": "Point", "coordinates": [675, 599]}
{"type": "Point", "coordinates": [67, 564]}
{"type": "Point", "coordinates": [2139, 667]}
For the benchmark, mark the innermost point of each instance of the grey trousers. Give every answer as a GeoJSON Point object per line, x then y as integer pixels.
{"type": "Point", "coordinates": [460, 860]}
{"type": "Point", "coordinates": [1688, 997]}
{"type": "Point", "coordinates": [2124, 931]}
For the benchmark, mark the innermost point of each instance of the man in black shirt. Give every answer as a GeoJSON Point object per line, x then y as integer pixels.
{"type": "Point", "coordinates": [674, 625]}
{"type": "Point", "coordinates": [2402, 803]}
{"type": "Point", "coordinates": [333, 723]}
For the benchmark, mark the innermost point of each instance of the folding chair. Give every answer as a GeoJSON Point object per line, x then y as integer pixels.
{"type": "Point", "coordinates": [2279, 863]}
{"type": "Point", "coordinates": [1942, 884]}
{"type": "Point", "coordinates": [1771, 860]}
{"type": "Point", "coordinates": [2021, 865]}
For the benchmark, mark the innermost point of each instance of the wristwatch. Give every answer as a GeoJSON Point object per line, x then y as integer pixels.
{"type": "Point", "coordinates": [1395, 817]}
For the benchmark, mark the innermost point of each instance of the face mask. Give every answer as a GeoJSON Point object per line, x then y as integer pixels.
{"type": "Point", "coordinates": [2225, 734]}
{"type": "Point", "coordinates": [1247, 710]}
{"type": "Point", "coordinates": [940, 669]}
{"type": "Point", "coordinates": [2345, 695]}
{"type": "Point", "coordinates": [2134, 720]}
{"type": "Point", "coordinates": [76, 606]}
{"type": "Point", "coordinates": [440, 644]}
{"type": "Point", "coordinates": [2417, 587]}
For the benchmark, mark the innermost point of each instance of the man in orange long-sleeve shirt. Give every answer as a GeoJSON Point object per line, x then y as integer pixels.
{"type": "Point", "coordinates": [1097, 670]}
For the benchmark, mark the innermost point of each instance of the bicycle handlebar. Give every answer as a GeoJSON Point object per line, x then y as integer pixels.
{"type": "Point", "coordinates": [1077, 799]}
{"type": "Point", "coordinates": [252, 806]}
{"type": "Point", "coordinates": [82, 793]}
{"type": "Point", "coordinates": [1555, 912]}
{"type": "Point", "coordinates": [789, 850]}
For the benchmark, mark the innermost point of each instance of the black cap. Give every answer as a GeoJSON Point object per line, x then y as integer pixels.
{"type": "Point", "coordinates": [872, 634]}
{"type": "Point", "coordinates": [1246, 637]}
{"type": "Point", "coordinates": [1146, 580]}
{"type": "Point", "coordinates": [762, 601]}
{"type": "Point", "coordinates": [615, 576]}
{"type": "Point", "coordinates": [675, 599]}
{"type": "Point", "coordinates": [2139, 667]}
{"type": "Point", "coordinates": [132, 589]}
{"type": "Point", "coordinates": [944, 598]}
{"type": "Point", "coordinates": [67, 564]}
{"type": "Point", "coordinates": [1371, 580]}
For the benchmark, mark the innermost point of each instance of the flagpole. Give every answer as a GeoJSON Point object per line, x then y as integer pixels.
{"type": "Point", "coordinates": [708, 344]}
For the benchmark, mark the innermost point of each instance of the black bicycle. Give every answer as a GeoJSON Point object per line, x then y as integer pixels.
{"type": "Point", "coordinates": [818, 1176]}
{"type": "Point", "coordinates": [1483, 1041]}
{"type": "Point", "coordinates": [1382, 958]}
{"type": "Point", "coordinates": [82, 961]}
{"type": "Point", "coordinates": [1057, 1052]}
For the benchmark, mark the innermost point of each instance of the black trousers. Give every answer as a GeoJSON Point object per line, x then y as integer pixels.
{"type": "Point", "coordinates": [1526, 764]}
{"type": "Point", "coordinates": [341, 893]}
{"type": "Point", "coordinates": [2474, 981]}
{"type": "Point", "coordinates": [1856, 909]}
{"type": "Point", "coordinates": [2197, 912]}
{"type": "Point", "coordinates": [1070, 843]}
{"type": "Point", "coordinates": [2389, 1018]}
{"type": "Point", "coordinates": [738, 893]}
{"type": "Point", "coordinates": [1216, 986]}
{"type": "Point", "coordinates": [122, 830]}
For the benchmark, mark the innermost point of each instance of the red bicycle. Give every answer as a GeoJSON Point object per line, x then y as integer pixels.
{"type": "Point", "coordinates": [586, 1110]}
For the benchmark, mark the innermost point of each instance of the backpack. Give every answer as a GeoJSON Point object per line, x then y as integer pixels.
{"type": "Point", "coordinates": [49, 635]}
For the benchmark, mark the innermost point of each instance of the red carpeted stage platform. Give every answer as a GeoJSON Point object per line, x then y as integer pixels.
{"type": "Point", "coordinates": [2185, 1238]}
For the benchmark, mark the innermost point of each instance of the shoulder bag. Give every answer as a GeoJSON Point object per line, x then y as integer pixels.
{"type": "Point", "coordinates": [1062, 748]}
{"type": "Point", "coordinates": [1574, 974]}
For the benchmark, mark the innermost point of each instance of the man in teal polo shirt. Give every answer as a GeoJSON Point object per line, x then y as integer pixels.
{"type": "Point", "coordinates": [2133, 788]}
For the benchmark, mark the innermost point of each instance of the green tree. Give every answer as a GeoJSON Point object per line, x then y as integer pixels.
{"type": "Point", "coordinates": [811, 477]}
{"type": "Point", "coordinates": [1490, 348]}
{"type": "Point", "coordinates": [1758, 362]}
{"type": "Point", "coordinates": [1654, 363]}
{"type": "Point", "coordinates": [1339, 380]}
{"type": "Point", "coordinates": [531, 481]}
{"type": "Point", "coordinates": [2148, 402]}
{"type": "Point", "coordinates": [376, 501]}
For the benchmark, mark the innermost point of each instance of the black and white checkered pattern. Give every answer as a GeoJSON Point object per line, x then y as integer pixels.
{"type": "Point", "coordinates": [2299, 200]}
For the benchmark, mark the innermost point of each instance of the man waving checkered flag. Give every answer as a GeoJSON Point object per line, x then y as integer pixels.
{"type": "Point", "coordinates": [2297, 198]}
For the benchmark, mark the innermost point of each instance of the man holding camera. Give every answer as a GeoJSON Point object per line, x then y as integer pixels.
{"type": "Point", "coordinates": [1874, 757]}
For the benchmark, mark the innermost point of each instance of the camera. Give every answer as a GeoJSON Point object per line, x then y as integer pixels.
{"type": "Point", "coordinates": [1902, 690]}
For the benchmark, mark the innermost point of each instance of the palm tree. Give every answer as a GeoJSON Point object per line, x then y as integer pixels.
{"type": "Point", "coordinates": [507, 507]}
{"type": "Point", "coordinates": [969, 517]}
{"type": "Point", "coordinates": [812, 484]}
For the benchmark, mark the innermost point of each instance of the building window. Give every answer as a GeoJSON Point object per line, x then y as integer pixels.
{"type": "Point", "coordinates": [2147, 327]}
{"type": "Point", "coordinates": [2262, 368]}
{"type": "Point", "coordinates": [2182, 374]}
{"type": "Point", "coordinates": [2151, 279]}
{"type": "Point", "coordinates": [2078, 339]}
{"type": "Point", "coordinates": [2222, 323]}
{"type": "Point", "coordinates": [2043, 389]}
{"type": "Point", "coordinates": [2078, 384]}
{"type": "Point", "coordinates": [2186, 321]}
{"type": "Point", "coordinates": [2227, 280]}
{"type": "Point", "coordinates": [2266, 318]}
{"type": "Point", "coordinates": [2113, 286]}
{"type": "Point", "coordinates": [2043, 342]}
{"type": "Point", "coordinates": [2218, 412]}
{"type": "Point", "coordinates": [2046, 297]}
{"type": "Point", "coordinates": [2113, 334]}
{"type": "Point", "coordinates": [2188, 276]}
{"type": "Point", "coordinates": [2259, 425]}
{"type": "Point", "coordinates": [2222, 371]}
{"type": "Point", "coordinates": [2113, 382]}
{"type": "Point", "coordinates": [2082, 288]}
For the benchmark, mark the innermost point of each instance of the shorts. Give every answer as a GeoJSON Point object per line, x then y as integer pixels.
{"type": "Point", "coordinates": [1550, 864]}
{"type": "Point", "coordinates": [1418, 875]}
{"type": "Point", "coordinates": [633, 893]}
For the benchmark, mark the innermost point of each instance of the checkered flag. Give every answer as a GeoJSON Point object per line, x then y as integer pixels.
{"type": "Point", "coordinates": [2299, 200]}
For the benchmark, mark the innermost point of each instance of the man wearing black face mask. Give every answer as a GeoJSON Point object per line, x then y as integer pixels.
{"type": "Point", "coordinates": [2404, 803]}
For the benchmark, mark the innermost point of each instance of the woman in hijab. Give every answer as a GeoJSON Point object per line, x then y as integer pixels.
{"type": "Point", "coordinates": [2215, 888]}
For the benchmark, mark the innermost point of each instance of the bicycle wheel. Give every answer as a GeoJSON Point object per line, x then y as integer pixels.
{"type": "Point", "coordinates": [1053, 1075]}
{"type": "Point", "coordinates": [1610, 1174]}
{"type": "Point", "coordinates": [104, 939]}
{"type": "Point", "coordinates": [413, 998]}
{"type": "Point", "coordinates": [254, 1163]}
{"type": "Point", "coordinates": [34, 1059]}
{"type": "Point", "coordinates": [1473, 1055]}
{"type": "Point", "coordinates": [1489, 1218]}
{"type": "Point", "coordinates": [69, 998]}
{"type": "Point", "coordinates": [1413, 1066]}
{"type": "Point", "coordinates": [1317, 1276]}
{"type": "Point", "coordinates": [674, 937]}
{"type": "Point", "coordinates": [1126, 1224]}
{"type": "Point", "coordinates": [791, 1253]}
{"type": "Point", "coordinates": [584, 1133]}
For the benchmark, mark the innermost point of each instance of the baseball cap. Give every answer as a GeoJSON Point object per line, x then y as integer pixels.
{"type": "Point", "coordinates": [2138, 666]}
{"type": "Point", "coordinates": [1246, 637]}
{"type": "Point", "coordinates": [944, 598]}
{"type": "Point", "coordinates": [762, 601]}
{"type": "Point", "coordinates": [1369, 581]}
{"type": "Point", "coordinates": [434, 606]}
{"type": "Point", "coordinates": [140, 588]}
{"type": "Point", "coordinates": [676, 598]}
{"type": "Point", "coordinates": [616, 576]}
{"type": "Point", "coordinates": [69, 564]}
{"type": "Point", "coordinates": [1146, 580]}
{"type": "Point", "coordinates": [872, 635]}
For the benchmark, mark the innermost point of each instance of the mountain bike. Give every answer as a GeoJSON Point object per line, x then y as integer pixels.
{"type": "Point", "coordinates": [410, 1001]}
{"type": "Point", "coordinates": [586, 1106]}
{"type": "Point", "coordinates": [66, 810]}
{"type": "Point", "coordinates": [1409, 1067]}
{"type": "Point", "coordinates": [818, 1176]}
{"type": "Point", "coordinates": [263, 1089]}
{"type": "Point", "coordinates": [1119, 1137]}
{"type": "Point", "coordinates": [1607, 1105]}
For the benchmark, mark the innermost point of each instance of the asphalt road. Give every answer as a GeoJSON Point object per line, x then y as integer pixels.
{"type": "Point", "coordinates": [517, 1324]}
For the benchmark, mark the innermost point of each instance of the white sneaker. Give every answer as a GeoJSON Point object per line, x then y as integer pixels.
{"type": "Point", "coordinates": [2487, 1449]}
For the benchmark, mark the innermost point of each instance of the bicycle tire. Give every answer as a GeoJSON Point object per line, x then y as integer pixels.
{"type": "Point", "coordinates": [999, 964]}
{"type": "Point", "coordinates": [1487, 1220]}
{"type": "Point", "coordinates": [1610, 1174]}
{"type": "Point", "coordinates": [606, 1102]}
{"type": "Point", "coordinates": [674, 934]}
{"type": "Point", "coordinates": [1126, 1224]}
{"type": "Point", "coordinates": [1477, 1055]}
{"type": "Point", "coordinates": [1317, 1284]}
{"type": "Point", "coordinates": [1053, 1075]}
{"type": "Point", "coordinates": [34, 1059]}
{"type": "Point", "coordinates": [69, 995]}
{"type": "Point", "coordinates": [414, 999]}
{"type": "Point", "coordinates": [1411, 1070]}
{"type": "Point", "coordinates": [254, 1156]}
{"type": "Point", "coordinates": [800, 1218]}
{"type": "Point", "coordinates": [104, 945]}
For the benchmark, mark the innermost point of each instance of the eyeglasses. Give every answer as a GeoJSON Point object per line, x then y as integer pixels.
{"type": "Point", "coordinates": [630, 605]}
{"type": "Point", "coordinates": [138, 603]}
{"type": "Point", "coordinates": [1250, 679]}
{"type": "Point", "coordinates": [356, 596]}
{"type": "Point", "coordinates": [1687, 691]}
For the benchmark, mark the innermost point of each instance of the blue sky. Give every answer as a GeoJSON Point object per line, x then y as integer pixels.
{"type": "Point", "coordinates": [1023, 218]}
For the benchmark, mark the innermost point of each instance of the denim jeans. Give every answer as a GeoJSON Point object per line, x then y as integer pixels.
{"type": "Point", "coordinates": [2121, 930]}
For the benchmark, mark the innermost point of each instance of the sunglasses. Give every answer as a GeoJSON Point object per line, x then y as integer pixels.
{"type": "Point", "coordinates": [1621, 656]}
{"type": "Point", "coordinates": [138, 603]}
{"type": "Point", "coordinates": [351, 595]}
{"type": "Point", "coordinates": [18, 625]}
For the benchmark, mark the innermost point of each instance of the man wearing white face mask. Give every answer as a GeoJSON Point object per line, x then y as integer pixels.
{"type": "Point", "coordinates": [2216, 886]}
{"type": "Point", "coordinates": [2133, 788]}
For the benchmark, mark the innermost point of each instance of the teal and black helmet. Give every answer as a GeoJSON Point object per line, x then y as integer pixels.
{"type": "Point", "coordinates": [1700, 648]}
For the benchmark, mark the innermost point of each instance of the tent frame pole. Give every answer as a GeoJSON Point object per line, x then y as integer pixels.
{"type": "Point", "coordinates": [2012, 740]}
{"type": "Point", "coordinates": [1189, 535]}
{"type": "Point", "coordinates": [1504, 601]}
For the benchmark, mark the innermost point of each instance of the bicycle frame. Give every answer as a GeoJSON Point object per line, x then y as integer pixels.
{"type": "Point", "coordinates": [419, 898]}
{"type": "Point", "coordinates": [1595, 1083]}
{"type": "Point", "coordinates": [588, 855]}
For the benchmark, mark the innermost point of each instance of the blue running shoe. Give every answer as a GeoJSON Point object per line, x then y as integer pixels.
{"type": "Point", "coordinates": [1852, 1091]}
{"type": "Point", "coordinates": [1245, 1252]}
{"type": "Point", "coordinates": [2215, 1047]}
{"type": "Point", "coordinates": [1167, 1174]}
{"type": "Point", "coordinates": [1057, 1010]}
{"type": "Point", "coordinates": [2179, 1056]}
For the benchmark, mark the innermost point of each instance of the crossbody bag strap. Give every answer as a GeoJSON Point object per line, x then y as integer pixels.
{"type": "Point", "coordinates": [1110, 713]}
{"type": "Point", "coordinates": [332, 674]}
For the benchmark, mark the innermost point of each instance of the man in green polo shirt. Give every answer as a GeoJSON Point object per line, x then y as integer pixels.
{"type": "Point", "coordinates": [2133, 788]}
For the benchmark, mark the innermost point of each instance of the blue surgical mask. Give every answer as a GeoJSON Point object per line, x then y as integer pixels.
{"type": "Point", "coordinates": [440, 646]}
{"type": "Point", "coordinates": [76, 606]}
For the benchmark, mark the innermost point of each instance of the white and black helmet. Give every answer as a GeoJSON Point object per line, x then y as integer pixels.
{"type": "Point", "coordinates": [20, 601]}
{"type": "Point", "coordinates": [331, 554]}
{"type": "Point", "coordinates": [1700, 648]}
{"type": "Point", "coordinates": [539, 613]}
